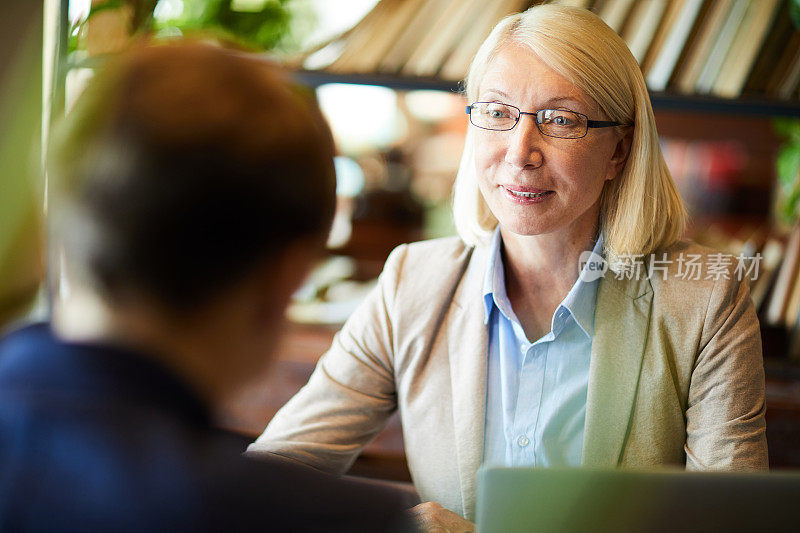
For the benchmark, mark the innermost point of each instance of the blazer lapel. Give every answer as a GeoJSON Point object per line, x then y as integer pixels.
{"type": "Point", "coordinates": [622, 318]}
{"type": "Point", "coordinates": [468, 348]}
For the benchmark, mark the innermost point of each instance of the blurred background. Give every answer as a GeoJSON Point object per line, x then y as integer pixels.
{"type": "Point", "coordinates": [724, 78]}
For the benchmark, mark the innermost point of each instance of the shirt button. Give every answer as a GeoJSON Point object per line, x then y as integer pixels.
{"type": "Point", "coordinates": [523, 441]}
{"type": "Point", "coordinates": [524, 348]}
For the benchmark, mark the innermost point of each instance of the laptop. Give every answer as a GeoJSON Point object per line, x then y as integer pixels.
{"type": "Point", "coordinates": [589, 500]}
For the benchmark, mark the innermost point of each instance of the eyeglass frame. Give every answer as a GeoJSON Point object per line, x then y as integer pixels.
{"type": "Point", "coordinates": [589, 123]}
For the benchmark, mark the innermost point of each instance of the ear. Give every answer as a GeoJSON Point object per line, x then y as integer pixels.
{"type": "Point", "coordinates": [620, 155]}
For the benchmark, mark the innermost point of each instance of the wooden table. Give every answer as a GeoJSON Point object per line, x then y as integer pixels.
{"type": "Point", "coordinates": [297, 356]}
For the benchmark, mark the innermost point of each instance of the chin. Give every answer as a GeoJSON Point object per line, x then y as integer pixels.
{"type": "Point", "coordinates": [527, 227]}
{"type": "Point", "coordinates": [525, 231]}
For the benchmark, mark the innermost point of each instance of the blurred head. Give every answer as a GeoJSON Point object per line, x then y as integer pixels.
{"type": "Point", "coordinates": [183, 167]}
{"type": "Point", "coordinates": [616, 175]}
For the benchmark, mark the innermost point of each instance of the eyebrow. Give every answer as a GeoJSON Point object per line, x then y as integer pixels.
{"type": "Point", "coordinates": [551, 101]}
{"type": "Point", "coordinates": [559, 99]}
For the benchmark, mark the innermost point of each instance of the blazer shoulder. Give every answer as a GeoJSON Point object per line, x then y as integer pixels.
{"type": "Point", "coordinates": [426, 270]}
{"type": "Point", "coordinates": [442, 251]}
{"type": "Point", "coordinates": [692, 273]}
{"type": "Point", "coordinates": [434, 257]}
{"type": "Point", "coordinates": [688, 261]}
{"type": "Point", "coordinates": [688, 248]}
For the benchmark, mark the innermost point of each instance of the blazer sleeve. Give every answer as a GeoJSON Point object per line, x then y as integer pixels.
{"type": "Point", "coordinates": [350, 394]}
{"type": "Point", "coordinates": [725, 427]}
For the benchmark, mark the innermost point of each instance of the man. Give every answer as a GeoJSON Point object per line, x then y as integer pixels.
{"type": "Point", "coordinates": [194, 187]}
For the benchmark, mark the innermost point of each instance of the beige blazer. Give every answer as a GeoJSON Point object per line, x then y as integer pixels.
{"type": "Point", "coordinates": [676, 374]}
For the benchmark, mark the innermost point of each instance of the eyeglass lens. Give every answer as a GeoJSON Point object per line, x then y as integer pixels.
{"type": "Point", "coordinates": [552, 122]}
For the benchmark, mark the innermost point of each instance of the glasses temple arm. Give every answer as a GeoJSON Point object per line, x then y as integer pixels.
{"type": "Point", "coordinates": [601, 123]}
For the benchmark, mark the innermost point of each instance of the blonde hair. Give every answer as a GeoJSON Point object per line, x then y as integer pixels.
{"type": "Point", "coordinates": [641, 209]}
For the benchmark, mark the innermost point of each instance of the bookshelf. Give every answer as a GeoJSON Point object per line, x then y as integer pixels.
{"type": "Point", "coordinates": [718, 56]}
{"type": "Point", "coordinates": [397, 33]}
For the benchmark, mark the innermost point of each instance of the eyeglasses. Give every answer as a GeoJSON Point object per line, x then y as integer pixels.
{"type": "Point", "coordinates": [559, 123]}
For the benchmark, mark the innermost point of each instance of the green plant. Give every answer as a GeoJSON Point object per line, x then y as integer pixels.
{"type": "Point", "coordinates": [787, 163]}
{"type": "Point", "coordinates": [252, 24]}
{"type": "Point", "coordinates": [788, 168]}
{"type": "Point", "coordinates": [256, 24]}
{"type": "Point", "coordinates": [794, 11]}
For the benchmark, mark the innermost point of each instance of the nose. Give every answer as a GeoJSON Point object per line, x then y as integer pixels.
{"type": "Point", "coordinates": [523, 144]}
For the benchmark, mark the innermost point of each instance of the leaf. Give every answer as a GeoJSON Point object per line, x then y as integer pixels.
{"type": "Point", "coordinates": [105, 6]}
{"type": "Point", "coordinates": [788, 163]}
{"type": "Point", "coordinates": [789, 205]}
{"type": "Point", "coordinates": [794, 10]}
{"type": "Point", "coordinates": [261, 29]}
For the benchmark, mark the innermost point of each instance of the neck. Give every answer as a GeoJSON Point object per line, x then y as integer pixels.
{"type": "Point", "coordinates": [190, 352]}
{"type": "Point", "coordinates": [534, 262]}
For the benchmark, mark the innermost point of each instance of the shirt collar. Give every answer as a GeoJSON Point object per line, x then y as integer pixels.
{"type": "Point", "coordinates": [579, 302]}
{"type": "Point", "coordinates": [582, 297]}
{"type": "Point", "coordinates": [494, 282]}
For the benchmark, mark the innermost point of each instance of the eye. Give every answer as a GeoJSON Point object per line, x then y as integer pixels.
{"type": "Point", "coordinates": [562, 119]}
{"type": "Point", "coordinates": [498, 111]}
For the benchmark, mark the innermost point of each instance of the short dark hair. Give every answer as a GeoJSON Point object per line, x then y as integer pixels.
{"type": "Point", "coordinates": [182, 166]}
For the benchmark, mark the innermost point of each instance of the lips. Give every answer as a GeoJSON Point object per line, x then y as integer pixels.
{"type": "Point", "coordinates": [526, 194]}
{"type": "Point", "coordinates": [520, 188]}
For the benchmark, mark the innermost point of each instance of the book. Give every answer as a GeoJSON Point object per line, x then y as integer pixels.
{"type": "Point", "coordinates": [793, 302]}
{"type": "Point", "coordinates": [770, 54]}
{"type": "Point", "coordinates": [381, 32]}
{"type": "Point", "coordinates": [789, 81]}
{"type": "Point", "coordinates": [691, 41]}
{"type": "Point", "coordinates": [722, 46]}
{"type": "Point", "coordinates": [662, 67]}
{"type": "Point", "coordinates": [784, 70]}
{"type": "Point", "coordinates": [642, 25]}
{"type": "Point", "coordinates": [665, 27]}
{"type": "Point", "coordinates": [599, 5]}
{"type": "Point", "coordinates": [457, 65]}
{"type": "Point", "coordinates": [787, 275]}
{"type": "Point", "coordinates": [434, 48]}
{"type": "Point", "coordinates": [742, 56]}
{"type": "Point", "coordinates": [360, 35]}
{"type": "Point", "coordinates": [789, 86]}
{"type": "Point", "coordinates": [614, 13]}
{"type": "Point", "coordinates": [771, 255]}
{"type": "Point", "coordinates": [424, 22]}
{"type": "Point", "coordinates": [701, 45]}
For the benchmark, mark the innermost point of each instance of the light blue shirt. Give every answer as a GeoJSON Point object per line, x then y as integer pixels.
{"type": "Point", "coordinates": [536, 393]}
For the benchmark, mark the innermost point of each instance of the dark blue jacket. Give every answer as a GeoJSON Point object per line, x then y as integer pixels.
{"type": "Point", "coordinates": [100, 438]}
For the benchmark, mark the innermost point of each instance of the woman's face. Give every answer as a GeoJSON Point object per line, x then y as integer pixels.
{"type": "Point", "coordinates": [570, 172]}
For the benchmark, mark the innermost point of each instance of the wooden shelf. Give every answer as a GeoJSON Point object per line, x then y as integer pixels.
{"type": "Point", "coordinates": [667, 101]}
{"type": "Point", "coordinates": [662, 101]}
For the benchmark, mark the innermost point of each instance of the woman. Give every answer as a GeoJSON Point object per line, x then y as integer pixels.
{"type": "Point", "coordinates": [639, 367]}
